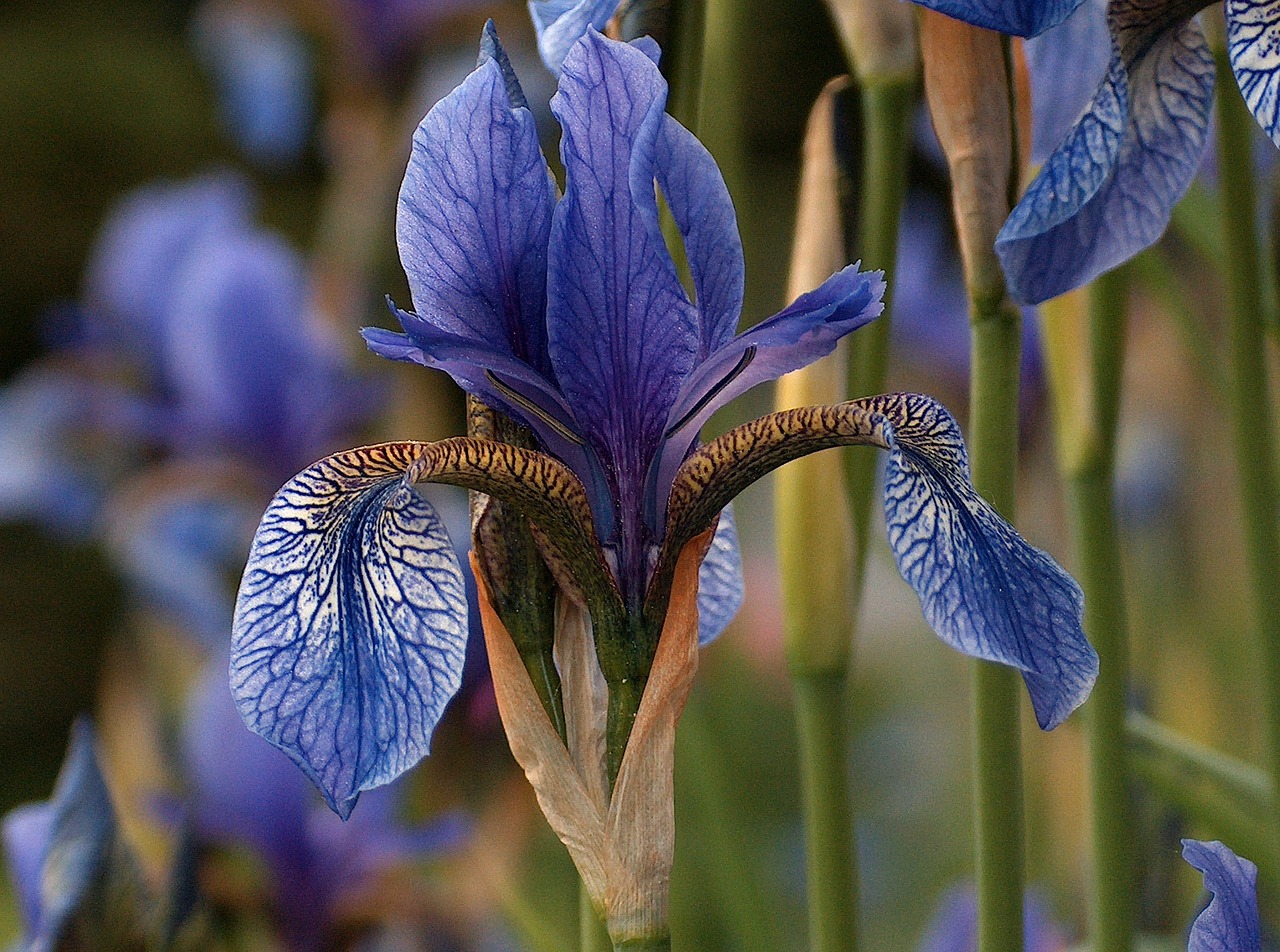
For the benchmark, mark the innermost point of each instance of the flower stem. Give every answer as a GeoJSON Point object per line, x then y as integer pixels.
{"type": "Point", "coordinates": [887, 108]}
{"type": "Point", "coordinates": [1090, 479]}
{"type": "Point", "coordinates": [591, 931]}
{"type": "Point", "coordinates": [1250, 402]}
{"type": "Point", "coordinates": [647, 944]}
{"type": "Point", "coordinates": [993, 442]}
{"type": "Point", "coordinates": [828, 812]}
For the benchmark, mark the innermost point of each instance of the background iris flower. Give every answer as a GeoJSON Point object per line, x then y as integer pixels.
{"type": "Point", "coordinates": [1107, 190]}
{"type": "Point", "coordinates": [569, 316]}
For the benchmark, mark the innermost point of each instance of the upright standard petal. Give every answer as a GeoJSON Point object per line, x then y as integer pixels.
{"type": "Point", "coordinates": [474, 216]}
{"type": "Point", "coordinates": [350, 627]}
{"type": "Point", "coordinates": [700, 204]}
{"type": "Point", "coordinates": [622, 333]}
{"type": "Point", "coordinates": [1230, 922]}
{"type": "Point", "coordinates": [1108, 191]}
{"type": "Point", "coordinates": [982, 587]}
{"type": "Point", "coordinates": [1016, 17]}
{"type": "Point", "coordinates": [1253, 45]}
{"type": "Point", "coordinates": [560, 23]}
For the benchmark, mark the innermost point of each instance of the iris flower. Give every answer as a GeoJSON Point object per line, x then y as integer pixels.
{"type": "Point", "coordinates": [567, 314]}
{"type": "Point", "coordinates": [1107, 191]}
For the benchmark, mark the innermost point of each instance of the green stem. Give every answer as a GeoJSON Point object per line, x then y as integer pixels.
{"type": "Point", "coordinates": [1250, 401]}
{"type": "Point", "coordinates": [1112, 908]}
{"type": "Point", "coordinates": [593, 937]}
{"type": "Point", "coordinates": [624, 704]}
{"type": "Point", "coordinates": [998, 797]}
{"type": "Point", "coordinates": [828, 812]}
{"type": "Point", "coordinates": [887, 110]}
{"type": "Point", "coordinates": [648, 944]}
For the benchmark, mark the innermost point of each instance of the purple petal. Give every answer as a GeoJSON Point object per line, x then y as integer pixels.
{"type": "Point", "coordinates": [1066, 65]}
{"type": "Point", "coordinates": [700, 204]}
{"type": "Point", "coordinates": [720, 584]}
{"type": "Point", "coordinates": [955, 925]}
{"type": "Point", "coordinates": [1108, 191]}
{"type": "Point", "coordinates": [561, 23]}
{"type": "Point", "coordinates": [474, 217]}
{"type": "Point", "coordinates": [1230, 922]}
{"type": "Point", "coordinates": [149, 235]}
{"type": "Point", "coordinates": [244, 790]}
{"type": "Point", "coordinates": [622, 333]}
{"type": "Point", "coordinates": [1016, 17]}
{"type": "Point", "coordinates": [351, 623]}
{"type": "Point", "coordinates": [793, 338]}
{"type": "Point", "coordinates": [27, 831]}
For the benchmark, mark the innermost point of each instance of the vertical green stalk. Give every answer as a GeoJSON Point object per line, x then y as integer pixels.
{"type": "Point", "coordinates": [654, 944]}
{"type": "Point", "coordinates": [1090, 472]}
{"type": "Point", "coordinates": [830, 868]}
{"type": "Point", "coordinates": [593, 937]}
{"type": "Point", "coordinates": [887, 108]}
{"type": "Point", "coordinates": [995, 326]}
{"type": "Point", "coordinates": [1250, 401]}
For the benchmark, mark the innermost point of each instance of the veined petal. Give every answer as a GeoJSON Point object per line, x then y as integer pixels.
{"type": "Point", "coordinates": [982, 587]}
{"type": "Point", "coordinates": [793, 338]}
{"type": "Point", "coordinates": [622, 333]}
{"type": "Point", "coordinates": [475, 212]}
{"type": "Point", "coordinates": [561, 23]}
{"type": "Point", "coordinates": [1016, 17]}
{"type": "Point", "coordinates": [350, 627]}
{"type": "Point", "coordinates": [1253, 44]}
{"type": "Point", "coordinates": [1230, 922]}
{"type": "Point", "coordinates": [720, 584]}
{"type": "Point", "coordinates": [1107, 192]}
{"type": "Point", "coordinates": [700, 204]}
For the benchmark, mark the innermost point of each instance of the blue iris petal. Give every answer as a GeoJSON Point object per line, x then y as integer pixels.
{"type": "Point", "coordinates": [351, 623]}
{"type": "Point", "coordinates": [26, 833]}
{"type": "Point", "coordinates": [795, 337]}
{"type": "Point", "coordinates": [622, 333]}
{"type": "Point", "coordinates": [1230, 922]}
{"type": "Point", "coordinates": [474, 216]}
{"type": "Point", "coordinates": [982, 587]}
{"type": "Point", "coordinates": [1107, 192]}
{"type": "Point", "coordinates": [720, 584]}
{"type": "Point", "coordinates": [560, 23]}
{"type": "Point", "coordinates": [1016, 17]}
{"type": "Point", "coordinates": [1066, 65]}
{"type": "Point", "coordinates": [1252, 30]}
{"type": "Point", "coordinates": [700, 204]}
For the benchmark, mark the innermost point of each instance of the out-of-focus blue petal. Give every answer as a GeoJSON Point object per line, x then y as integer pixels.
{"type": "Point", "coordinates": [1252, 26]}
{"type": "Point", "coordinates": [40, 479]}
{"type": "Point", "coordinates": [130, 273]}
{"type": "Point", "coordinates": [242, 789]}
{"type": "Point", "coordinates": [262, 72]}
{"type": "Point", "coordinates": [622, 333]}
{"type": "Point", "coordinates": [85, 865]}
{"type": "Point", "coordinates": [794, 337]}
{"type": "Point", "coordinates": [350, 627]}
{"type": "Point", "coordinates": [179, 544]}
{"type": "Point", "coordinates": [982, 587]}
{"type": "Point", "coordinates": [700, 204]}
{"type": "Point", "coordinates": [721, 588]}
{"type": "Point", "coordinates": [955, 925]}
{"type": "Point", "coordinates": [1016, 17]}
{"type": "Point", "coordinates": [561, 23]}
{"type": "Point", "coordinates": [1066, 65]}
{"type": "Point", "coordinates": [248, 372]}
{"type": "Point", "coordinates": [1230, 922]}
{"type": "Point", "coordinates": [1107, 192]}
{"type": "Point", "coordinates": [474, 216]}
{"type": "Point", "coordinates": [26, 833]}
